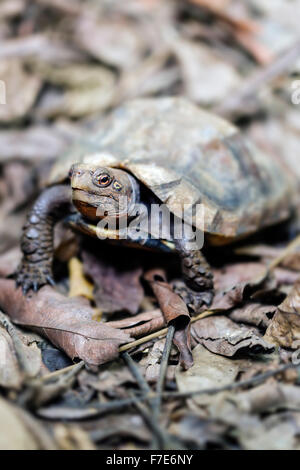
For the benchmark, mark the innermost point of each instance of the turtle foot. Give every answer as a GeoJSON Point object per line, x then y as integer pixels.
{"type": "Point", "coordinates": [32, 276]}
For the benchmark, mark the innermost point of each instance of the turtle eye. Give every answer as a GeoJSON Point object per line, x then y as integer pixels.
{"type": "Point", "coordinates": [103, 180]}
{"type": "Point", "coordinates": [117, 186]}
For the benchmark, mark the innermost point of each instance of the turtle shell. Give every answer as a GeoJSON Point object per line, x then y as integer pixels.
{"type": "Point", "coordinates": [187, 156]}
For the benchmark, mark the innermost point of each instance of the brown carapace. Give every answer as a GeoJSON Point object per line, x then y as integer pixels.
{"type": "Point", "coordinates": [169, 151]}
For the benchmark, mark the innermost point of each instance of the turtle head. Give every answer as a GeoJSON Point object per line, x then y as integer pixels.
{"type": "Point", "coordinates": [99, 192]}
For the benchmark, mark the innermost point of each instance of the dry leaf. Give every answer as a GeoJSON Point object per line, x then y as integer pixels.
{"type": "Point", "coordinates": [285, 276]}
{"type": "Point", "coordinates": [268, 397]}
{"type": "Point", "coordinates": [221, 335]}
{"type": "Point", "coordinates": [46, 48]}
{"type": "Point", "coordinates": [18, 431]}
{"type": "Point", "coordinates": [36, 143]}
{"type": "Point", "coordinates": [209, 371]}
{"type": "Point", "coordinates": [115, 42]}
{"type": "Point", "coordinates": [9, 261]}
{"type": "Point", "coordinates": [72, 437]}
{"type": "Point", "coordinates": [110, 378]}
{"type": "Point", "coordinates": [142, 324]}
{"type": "Point", "coordinates": [150, 77]}
{"type": "Point", "coordinates": [20, 358]}
{"type": "Point", "coordinates": [11, 8]}
{"type": "Point", "coordinates": [207, 78]}
{"type": "Point", "coordinates": [276, 432]}
{"type": "Point", "coordinates": [115, 288]}
{"type": "Point", "coordinates": [290, 262]}
{"type": "Point", "coordinates": [254, 314]}
{"type": "Point", "coordinates": [198, 431]}
{"type": "Point", "coordinates": [125, 425]}
{"type": "Point", "coordinates": [284, 329]}
{"type": "Point", "coordinates": [78, 284]}
{"type": "Point", "coordinates": [87, 89]}
{"type": "Point", "coordinates": [10, 374]}
{"type": "Point", "coordinates": [233, 281]}
{"type": "Point", "coordinates": [21, 90]}
{"type": "Point", "coordinates": [66, 322]}
{"type": "Point", "coordinates": [236, 17]}
{"type": "Point", "coordinates": [151, 362]}
{"type": "Point", "coordinates": [175, 313]}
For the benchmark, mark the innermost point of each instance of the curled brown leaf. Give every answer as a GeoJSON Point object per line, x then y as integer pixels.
{"type": "Point", "coordinates": [141, 324]}
{"type": "Point", "coordinates": [284, 329]}
{"type": "Point", "coordinates": [66, 322]}
{"type": "Point", "coordinates": [254, 314]}
{"type": "Point", "coordinates": [221, 335]}
{"type": "Point", "coordinates": [175, 312]}
{"type": "Point", "coordinates": [116, 288]}
{"type": "Point", "coordinates": [235, 281]}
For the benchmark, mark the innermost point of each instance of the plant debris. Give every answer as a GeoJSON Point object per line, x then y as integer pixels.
{"type": "Point", "coordinates": [66, 322]}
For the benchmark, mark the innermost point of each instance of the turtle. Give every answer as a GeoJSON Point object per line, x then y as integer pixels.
{"type": "Point", "coordinates": [168, 151]}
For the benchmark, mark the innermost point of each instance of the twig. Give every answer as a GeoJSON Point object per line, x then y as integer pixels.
{"type": "Point", "coordinates": [243, 24]}
{"type": "Point", "coordinates": [116, 404]}
{"type": "Point", "coordinates": [161, 333]}
{"type": "Point", "coordinates": [163, 440]}
{"type": "Point", "coordinates": [52, 375]}
{"type": "Point", "coordinates": [127, 346]}
{"type": "Point", "coordinates": [164, 331]}
{"type": "Point", "coordinates": [135, 371]}
{"type": "Point", "coordinates": [151, 423]}
{"type": "Point", "coordinates": [288, 250]}
{"type": "Point", "coordinates": [233, 386]}
{"type": "Point", "coordinates": [163, 369]}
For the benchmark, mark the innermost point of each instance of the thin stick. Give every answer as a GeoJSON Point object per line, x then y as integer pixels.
{"type": "Point", "coordinates": [163, 369]}
{"type": "Point", "coordinates": [135, 371]}
{"type": "Point", "coordinates": [162, 439]}
{"type": "Point", "coordinates": [57, 373]}
{"type": "Point", "coordinates": [151, 421]}
{"type": "Point", "coordinates": [164, 331]}
{"type": "Point", "coordinates": [243, 383]}
{"type": "Point", "coordinates": [127, 346]}
{"type": "Point", "coordinates": [115, 404]}
{"type": "Point", "coordinates": [288, 250]}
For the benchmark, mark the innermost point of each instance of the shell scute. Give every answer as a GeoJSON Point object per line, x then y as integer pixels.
{"type": "Point", "coordinates": [188, 156]}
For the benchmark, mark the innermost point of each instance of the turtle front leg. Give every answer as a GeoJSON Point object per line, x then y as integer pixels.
{"type": "Point", "coordinates": [35, 269]}
{"type": "Point", "coordinates": [198, 289]}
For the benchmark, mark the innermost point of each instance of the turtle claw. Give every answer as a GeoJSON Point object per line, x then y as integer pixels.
{"type": "Point", "coordinates": [32, 276]}
{"type": "Point", "coordinates": [35, 286]}
{"type": "Point", "coordinates": [25, 289]}
{"type": "Point", "coordinates": [50, 280]}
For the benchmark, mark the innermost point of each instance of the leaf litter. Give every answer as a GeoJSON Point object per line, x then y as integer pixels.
{"type": "Point", "coordinates": [95, 366]}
